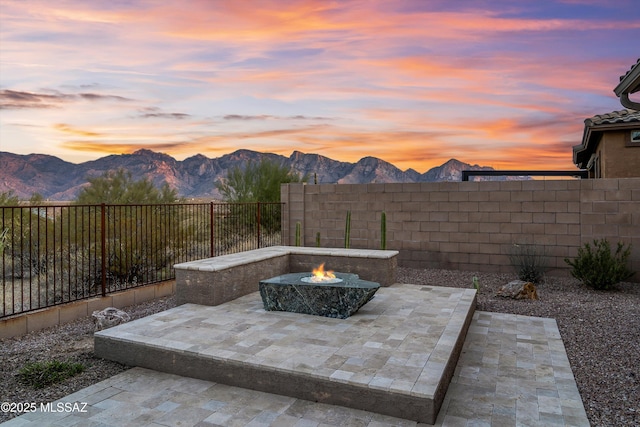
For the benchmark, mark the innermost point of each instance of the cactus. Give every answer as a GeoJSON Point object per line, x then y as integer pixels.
{"type": "Point", "coordinates": [383, 231]}
{"type": "Point", "coordinates": [476, 284]}
{"type": "Point", "coordinates": [347, 231]}
{"type": "Point", "coordinates": [318, 239]}
{"type": "Point", "coordinates": [298, 233]}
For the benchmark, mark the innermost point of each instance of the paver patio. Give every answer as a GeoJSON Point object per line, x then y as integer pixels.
{"type": "Point", "coordinates": [513, 370]}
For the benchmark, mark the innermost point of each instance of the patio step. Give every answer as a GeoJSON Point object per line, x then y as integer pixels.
{"type": "Point", "coordinates": [395, 356]}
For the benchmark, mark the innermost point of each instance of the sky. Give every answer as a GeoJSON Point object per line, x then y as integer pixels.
{"type": "Point", "coordinates": [498, 83]}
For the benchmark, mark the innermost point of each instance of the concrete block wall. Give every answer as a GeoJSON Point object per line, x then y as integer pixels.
{"type": "Point", "coordinates": [469, 225]}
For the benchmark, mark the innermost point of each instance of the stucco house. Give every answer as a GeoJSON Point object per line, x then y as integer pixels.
{"type": "Point", "coordinates": [610, 145]}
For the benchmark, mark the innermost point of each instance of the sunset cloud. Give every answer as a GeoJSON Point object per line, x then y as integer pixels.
{"type": "Point", "coordinates": [62, 127]}
{"type": "Point", "coordinates": [19, 99]}
{"type": "Point", "coordinates": [506, 84]}
{"type": "Point", "coordinates": [270, 117]}
{"type": "Point", "coordinates": [176, 116]}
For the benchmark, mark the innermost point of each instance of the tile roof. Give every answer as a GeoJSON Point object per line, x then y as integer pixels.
{"type": "Point", "coordinates": [593, 126]}
{"type": "Point", "coordinates": [622, 116]}
{"type": "Point", "coordinates": [637, 64]}
{"type": "Point", "coordinates": [629, 83]}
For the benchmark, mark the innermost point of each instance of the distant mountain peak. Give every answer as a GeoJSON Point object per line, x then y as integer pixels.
{"type": "Point", "coordinates": [144, 151]}
{"type": "Point", "coordinates": [196, 176]}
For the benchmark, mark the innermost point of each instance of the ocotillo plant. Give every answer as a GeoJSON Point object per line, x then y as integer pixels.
{"type": "Point", "coordinates": [298, 233]}
{"type": "Point", "coordinates": [383, 231]}
{"type": "Point", "coordinates": [347, 231]}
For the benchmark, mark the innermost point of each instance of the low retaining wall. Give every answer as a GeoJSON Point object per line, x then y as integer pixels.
{"type": "Point", "coordinates": [214, 281]}
{"type": "Point", "coordinates": [26, 323]}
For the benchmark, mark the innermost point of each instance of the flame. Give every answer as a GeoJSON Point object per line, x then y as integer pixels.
{"type": "Point", "coordinates": [319, 274]}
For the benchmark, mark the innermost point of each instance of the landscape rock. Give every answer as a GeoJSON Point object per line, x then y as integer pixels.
{"type": "Point", "coordinates": [518, 289]}
{"type": "Point", "coordinates": [109, 317]}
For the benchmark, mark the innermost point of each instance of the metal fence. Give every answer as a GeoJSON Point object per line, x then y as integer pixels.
{"type": "Point", "coordinates": [57, 254]}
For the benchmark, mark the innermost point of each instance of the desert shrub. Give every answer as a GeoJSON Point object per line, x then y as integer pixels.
{"type": "Point", "coordinates": [42, 374]}
{"type": "Point", "coordinates": [530, 262]}
{"type": "Point", "coordinates": [256, 182]}
{"type": "Point", "coordinates": [3, 237]}
{"type": "Point", "coordinates": [598, 267]}
{"type": "Point", "coordinates": [119, 187]}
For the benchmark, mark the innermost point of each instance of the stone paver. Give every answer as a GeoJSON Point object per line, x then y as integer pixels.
{"type": "Point", "coordinates": [513, 370]}
{"type": "Point", "coordinates": [395, 356]}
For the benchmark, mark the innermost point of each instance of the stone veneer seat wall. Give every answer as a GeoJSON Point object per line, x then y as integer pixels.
{"type": "Point", "coordinates": [214, 281]}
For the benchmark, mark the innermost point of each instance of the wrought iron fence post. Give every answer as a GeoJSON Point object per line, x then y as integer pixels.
{"type": "Point", "coordinates": [212, 232]}
{"type": "Point", "coordinates": [259, 225]}
{"type": "Point", "coordinates": [103, 243]}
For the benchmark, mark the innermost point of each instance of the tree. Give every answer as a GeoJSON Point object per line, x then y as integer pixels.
{"type": "Point", "coordinates": [257, 182]}
{"type": "Point", "coordinates": [18, 235]}
{"type": "Point", "coordinates": [141, 225]}
{"type": "Point", "coordinates": [36, 199]}
{"type": "Point", "coordinates": [6, 199]}
{"type": "Point", "coordinates": [9, 199]}
{"type": "Point", "coordinates": [120, 188]}
{"type": "Point", "coordinates": [9, 218]}
{"type": "Point", "coordinates": [3, 237]}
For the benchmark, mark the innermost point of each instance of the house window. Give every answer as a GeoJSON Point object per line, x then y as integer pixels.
{"type": "Point", "coordinates": [634, 138]}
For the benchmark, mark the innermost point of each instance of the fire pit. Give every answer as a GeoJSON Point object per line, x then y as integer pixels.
{"type": "Point", "coordinates": [319, 275]}
{"type": "Point", "coordinates": [320, 293]}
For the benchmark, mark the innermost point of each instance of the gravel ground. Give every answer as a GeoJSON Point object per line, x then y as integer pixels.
{"type": "Point", "coordinates": [600, 330]}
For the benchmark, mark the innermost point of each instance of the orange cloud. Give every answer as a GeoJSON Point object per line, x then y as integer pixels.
{"type": "Point", "coordinates": [105, 147]}
{"type": "Point", "coordinates": [62, 127]}
{"type": "Point", "coordinates": [417, 150]}
{"type": "Point", "coordinates": [413, 88]}
{"type": "Point", "coordinates": [311, 20]}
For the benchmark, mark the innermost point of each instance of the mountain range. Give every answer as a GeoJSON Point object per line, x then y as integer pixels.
{"type": "Point", "coordinates": [195, 177]}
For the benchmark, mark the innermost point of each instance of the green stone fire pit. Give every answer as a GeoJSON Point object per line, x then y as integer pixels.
{"type": "Point", "coordinates": [298, 293]}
